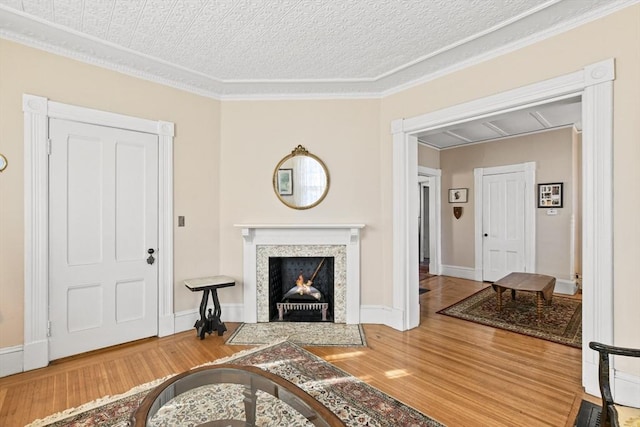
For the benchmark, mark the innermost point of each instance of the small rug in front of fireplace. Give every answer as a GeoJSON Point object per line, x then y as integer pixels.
{"type": "Point", "coordinates": [301, 333]}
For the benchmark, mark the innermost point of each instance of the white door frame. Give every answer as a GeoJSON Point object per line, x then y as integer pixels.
{"type": "Point", "coordinates": [529, 171]}
{"type": "Point", "coordinates": [435, 243]}
{"type": "Point", "coordinates": [37, 112]}
{"type": "Point", "coordinates": [423, 183]}
{"type": "Point", "coordinates": [595, 84]}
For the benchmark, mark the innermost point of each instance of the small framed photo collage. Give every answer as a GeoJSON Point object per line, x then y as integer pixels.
{"type": "Point", "coordinates": [550, 195]}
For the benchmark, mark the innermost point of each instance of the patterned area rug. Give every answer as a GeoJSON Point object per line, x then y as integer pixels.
{"type": "Point", "coordinates": [561, 321]}
{"type": "Point", "coordinates": [354, 401]}
{"type": "Point", "coordinates": [301, 333]}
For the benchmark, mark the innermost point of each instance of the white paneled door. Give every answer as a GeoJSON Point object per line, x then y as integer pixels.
{"type": "Point", "coordinates": [503, 225]}
{"type": "Point", "coordinates": [103, 213]}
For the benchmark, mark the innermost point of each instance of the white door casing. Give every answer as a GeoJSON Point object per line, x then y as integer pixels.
{"type": "Point", "coordinates": [103, 219]}
{"type": "Point", "coordinates": [595, 85]}
{"type": "Point", "coordinates": [37, 112]}
{"type": "Point", "coordinates": [424, 219]}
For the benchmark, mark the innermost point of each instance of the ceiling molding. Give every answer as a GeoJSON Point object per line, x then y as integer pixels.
{"type": "Point", "coordinates": [541, 119]}
{"type": "Point", "coordinates": [495, 128]}
{"type": "Point", "coordinates": [38, 33]}
{"type": "Point", "coordinates": [514, 46]}
{"type": "Point", "coordinates": [499, 138]}
{"type": "Point", "coordinates": [455, 135]}
{"type": "Point", "coordinates": [513, 34]}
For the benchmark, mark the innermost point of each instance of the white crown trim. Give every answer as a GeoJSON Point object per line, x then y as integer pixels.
{"type": "Point", "coordinates": [22, 28]}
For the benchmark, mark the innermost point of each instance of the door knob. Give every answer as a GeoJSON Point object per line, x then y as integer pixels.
{"type": "Point", "coordinates": [486, 235]}
{"type": "Point", "coordinates": [151, 259]}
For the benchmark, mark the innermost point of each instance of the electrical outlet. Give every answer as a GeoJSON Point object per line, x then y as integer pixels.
{"type": "Point", "coordinates": [181, 221]}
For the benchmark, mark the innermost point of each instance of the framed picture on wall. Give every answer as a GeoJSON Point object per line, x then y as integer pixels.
{"type": "Point", "coordinates": [550, 195]}
{"type": "Point", "coordinates": [285, 182]}
{"type": "Point", "coordinates": [458, 195]}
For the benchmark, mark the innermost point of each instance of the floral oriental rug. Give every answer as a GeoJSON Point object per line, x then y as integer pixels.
{"type": "Point", "coordinates": [354, 401]}
{"type": "Point", "coordinates": [561, 321]}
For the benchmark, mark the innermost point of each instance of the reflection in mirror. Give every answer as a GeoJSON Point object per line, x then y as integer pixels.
{"type": "Point", "coordinates": [301, 180]}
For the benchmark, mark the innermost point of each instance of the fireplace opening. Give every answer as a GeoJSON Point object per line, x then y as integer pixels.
{"type": "Point", "coordinates": [301, 289]}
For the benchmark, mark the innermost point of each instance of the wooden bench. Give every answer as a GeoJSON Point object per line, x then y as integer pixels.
{"type": "Point", "coordinates": [541, 284]}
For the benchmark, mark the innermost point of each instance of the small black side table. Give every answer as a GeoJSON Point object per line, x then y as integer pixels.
{"type": "Point", "coordinates": [209, 285]}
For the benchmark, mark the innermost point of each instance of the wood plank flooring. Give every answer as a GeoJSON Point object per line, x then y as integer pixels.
{"type": "Point", "coordinates": [458, 372]}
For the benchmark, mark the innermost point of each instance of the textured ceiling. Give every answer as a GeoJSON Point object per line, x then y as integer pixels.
{"type": "Point", "coordinates": [289, 47]}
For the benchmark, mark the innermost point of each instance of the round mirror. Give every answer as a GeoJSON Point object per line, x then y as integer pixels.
{"type": "Point", "coordinates": [301, 180]}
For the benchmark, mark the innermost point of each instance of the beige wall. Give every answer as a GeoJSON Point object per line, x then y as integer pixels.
{"type": "Point", "coordinates": [256, 135]}
{"type": "Point", "coordinates": [616, 36]}
{"type": "Point", "coordinates": [428, 157]}
{"type": "Point", "coordinates": [552, 152]}
{"type": "Point", "coordinates": [196, 156]}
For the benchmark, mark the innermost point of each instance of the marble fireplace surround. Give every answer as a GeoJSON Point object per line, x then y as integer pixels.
{"type": "Point", "coordinates": [342, 241]}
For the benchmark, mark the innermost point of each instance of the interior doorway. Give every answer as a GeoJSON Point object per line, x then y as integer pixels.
{"type": "Point", "coordinates": [429, 206]}
{"type": "Point", "coordinates": [594, 84]}
{"type": "Point", "coordinates": [38, 111]}
{"type": "Point", "coordinates": [423, 221]}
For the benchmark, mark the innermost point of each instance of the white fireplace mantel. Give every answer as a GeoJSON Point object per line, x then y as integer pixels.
{"type": "Point", "coordinates": [308, 235]}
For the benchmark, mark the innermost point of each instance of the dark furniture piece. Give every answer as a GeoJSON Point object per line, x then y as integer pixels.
{"type": "Point", "coordinates": [288, 398]}
{"type": "Point", "coordinates": [613, 415]}
{"type": "Point", "coordinates": [209, 285]}
{"type": "Point", "coordinates": [541, 284]}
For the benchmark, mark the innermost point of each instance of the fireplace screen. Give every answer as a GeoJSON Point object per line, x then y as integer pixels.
{"type": "Point", "coordinates": [301, 289]}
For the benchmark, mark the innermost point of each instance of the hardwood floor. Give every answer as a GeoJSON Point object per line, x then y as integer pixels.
{"type": "Point", "coordinates": [458, 372]}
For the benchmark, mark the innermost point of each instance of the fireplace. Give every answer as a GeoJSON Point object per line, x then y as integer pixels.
{"type": "Point", "coordinates": [301, 289]}
{"type": "Point", "coordinates": [339, 242]}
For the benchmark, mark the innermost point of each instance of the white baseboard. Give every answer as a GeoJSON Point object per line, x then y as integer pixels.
{"type": "Point", "coordinates": [375, 314]}
{"type": "Point", "coordinates": [166, 325]}
{"type": "Point", "coordinates": [625, 386]}
{"type": "Point", "coordinates": [563, 286]}
{"type": "Point", "coordinates": [35, 355]}
{"type": "Point", "coordinates": [232, 312]}
{"type": "Point", "coordinates": [461, 272]}
{"type": "Point", "coordinates": [567, 287]}
{"type": "Point", "coordinates": [626, 389]}
{"type": "Point", "coordinates": [381, 315]}
{"type": "Point", "coordinates": [185, 320]}
{"type": "Point", "coordinates": [11, 360]}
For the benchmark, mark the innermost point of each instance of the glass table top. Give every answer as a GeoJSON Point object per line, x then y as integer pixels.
{"type": "Point", "coordinates": [231, 395]}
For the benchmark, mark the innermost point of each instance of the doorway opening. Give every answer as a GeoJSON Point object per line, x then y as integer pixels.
{"type": "Point", "coordinates": [594, 84]}
{"type": "Point", "coordinates": [424, 230]}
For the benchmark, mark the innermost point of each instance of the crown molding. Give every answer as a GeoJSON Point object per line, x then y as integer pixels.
{"type": "Point", "coordinates": [514, 46]}
{"type": "Point", "coordinates": [35, 32]}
